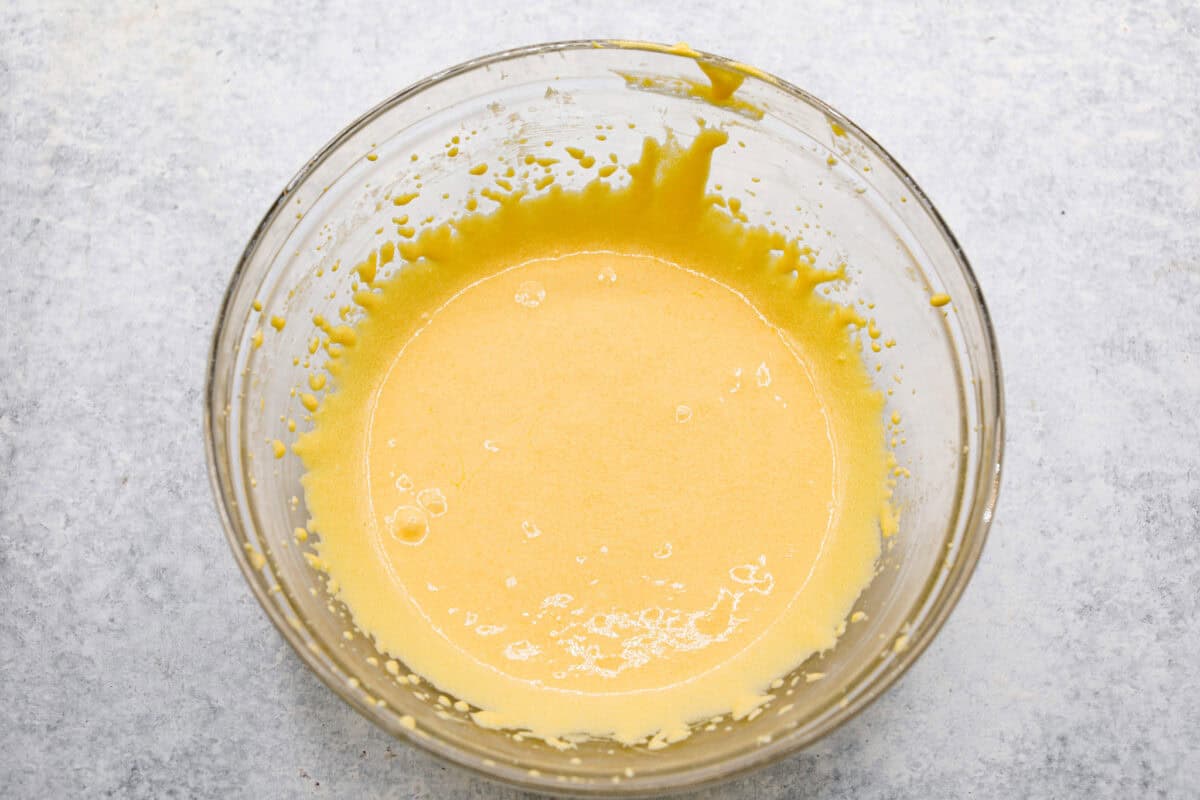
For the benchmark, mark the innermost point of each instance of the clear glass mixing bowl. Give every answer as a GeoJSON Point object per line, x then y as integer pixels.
{"type": "Point", "coordinates": [815, 168]}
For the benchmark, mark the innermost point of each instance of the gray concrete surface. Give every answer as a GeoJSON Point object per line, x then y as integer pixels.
{"type": "Point", "coordinates": [139, 145]}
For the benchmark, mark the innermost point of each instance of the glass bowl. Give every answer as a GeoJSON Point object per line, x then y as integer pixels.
{"type": "Point", "coordinates": [812, 168]}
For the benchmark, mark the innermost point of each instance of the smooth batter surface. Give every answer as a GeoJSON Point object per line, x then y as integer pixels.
{"type": "Point", "coordinates": [599, 463]}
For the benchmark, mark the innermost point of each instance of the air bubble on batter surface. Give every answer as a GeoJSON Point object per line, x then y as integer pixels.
{"type": "Point", "coordinates": [489, 630]}
{"type": "Point", "coordinates": [521, 651]}
{"type": "Point", "coordinates": [530, 294]}
{"type": "Point", "coordinates": [754, 576]}
{"type": "Point", "coordinates": [433, 501]}
{"type": "Point", "coordinates": [762, 375]}
{"type": "Point", "coordinates": [407, 524]}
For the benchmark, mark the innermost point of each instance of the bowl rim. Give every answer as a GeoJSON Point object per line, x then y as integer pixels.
{"type": "Point", "coordinates": [981, 507]}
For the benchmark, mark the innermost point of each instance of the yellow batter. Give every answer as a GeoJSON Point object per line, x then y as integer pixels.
{"type": "Point", "coordinates": [600, 463]}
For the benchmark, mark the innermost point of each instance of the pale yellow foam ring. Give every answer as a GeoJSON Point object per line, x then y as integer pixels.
{"type": "Point", "coordinates": [626, 471]}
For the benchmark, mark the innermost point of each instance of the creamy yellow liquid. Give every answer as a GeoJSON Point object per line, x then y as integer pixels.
{"type": "Point", "coordinates": [590, 472]}
{"type": "Point", "coordinates": [600, 463]}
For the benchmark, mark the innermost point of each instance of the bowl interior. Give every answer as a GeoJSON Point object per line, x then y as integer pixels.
{"type": "Point", "coordinates": [796, 164]}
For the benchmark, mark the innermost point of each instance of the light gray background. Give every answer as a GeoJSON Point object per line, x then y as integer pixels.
{"type": "Point", "coordinates": [139, 146]}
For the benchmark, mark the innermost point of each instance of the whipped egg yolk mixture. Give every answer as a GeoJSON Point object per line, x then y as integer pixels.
{"type": "Point", "coordinates": [599, 462]}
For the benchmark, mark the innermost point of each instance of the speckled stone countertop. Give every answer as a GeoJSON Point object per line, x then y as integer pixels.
{"type": "Point", "coordinates": [140, 144]}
